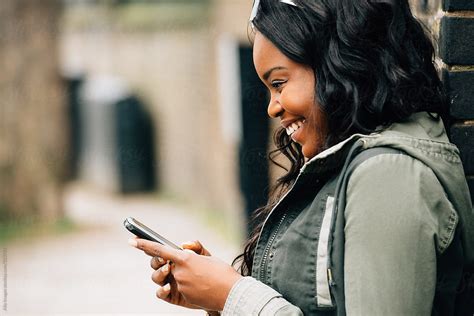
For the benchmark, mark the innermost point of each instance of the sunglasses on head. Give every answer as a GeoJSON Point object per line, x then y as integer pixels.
{"type": "Point", "coordinates": [256, 5]}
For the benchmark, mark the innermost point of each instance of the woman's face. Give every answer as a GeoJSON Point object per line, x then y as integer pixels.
{"type": "Point", "coordinates": [292, 94]}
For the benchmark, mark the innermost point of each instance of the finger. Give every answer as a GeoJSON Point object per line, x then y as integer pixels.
{"type": "Point", "coordinates": [163, 291]}
{"type": "Point", "coordinates": [155, 249]}
{"type": "Point", "coordinates": [159, 276]}
{"type": "Point", "coordinates": [195, 246]}
{"type": "Point", "coordinates": [157, 262]}
{"type": "Point", "coordinates": [132, 242]}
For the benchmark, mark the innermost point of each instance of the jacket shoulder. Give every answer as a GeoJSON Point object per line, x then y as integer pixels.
{"type": "Point", "coordinates": [396, 182]}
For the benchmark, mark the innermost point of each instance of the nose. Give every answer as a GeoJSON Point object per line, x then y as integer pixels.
{"type": "Point", "coordinates": [274, 108]}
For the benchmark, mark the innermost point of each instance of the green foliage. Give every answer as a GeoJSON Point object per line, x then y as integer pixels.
{"type": "Point", "coordinates": [31, 227]}
{"type": "Point", "coordinates": [167, 16]}
{"type": "Point", "coordinates": [4, 214]}
{"type": "Point", "coordinates": [163, 16]}
{"type": "Point", "coordinates": [222, 224]}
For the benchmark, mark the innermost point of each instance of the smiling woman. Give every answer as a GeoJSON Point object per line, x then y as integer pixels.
{"type": "Point", "coordinates": [373, 217]}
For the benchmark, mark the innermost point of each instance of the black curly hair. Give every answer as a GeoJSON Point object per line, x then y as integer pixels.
{"type": "Point", "coordinates": [373, 64]}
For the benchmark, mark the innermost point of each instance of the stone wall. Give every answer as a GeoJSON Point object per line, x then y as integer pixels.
{"type": "Point", "coordinates": [32, 113]}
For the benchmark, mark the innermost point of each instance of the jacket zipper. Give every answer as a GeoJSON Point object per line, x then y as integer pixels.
{"type": "Point", "coordinates": [263, 266]}
{"type": "Point", "coordinates": [276, 205]}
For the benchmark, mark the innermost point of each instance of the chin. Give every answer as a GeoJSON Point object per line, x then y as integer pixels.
{"type": "Point", "coordinates": [309, 153]}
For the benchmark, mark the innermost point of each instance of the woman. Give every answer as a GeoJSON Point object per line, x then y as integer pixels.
{"type": "Point", "coordinates": [374, 216]}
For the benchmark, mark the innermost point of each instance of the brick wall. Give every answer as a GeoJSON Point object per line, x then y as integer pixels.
{"type": "Point", "coordinates": [457, 53]}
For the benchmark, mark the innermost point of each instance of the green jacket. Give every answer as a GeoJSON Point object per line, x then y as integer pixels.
{"type": "Point", "coordinates": [391, 241]}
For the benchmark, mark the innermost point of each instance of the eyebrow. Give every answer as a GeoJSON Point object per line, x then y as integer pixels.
{"type": "Point", "coordinates": [269, 72]}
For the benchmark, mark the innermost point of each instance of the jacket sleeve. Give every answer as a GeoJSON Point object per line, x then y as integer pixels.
{"type": "Point", "coordinates": [398, 219]}
{"type": "Point", "coordinates": [251, 297]}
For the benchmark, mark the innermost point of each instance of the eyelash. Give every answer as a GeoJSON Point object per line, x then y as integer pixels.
{"type": "Point", "coordinates": [277, 84]}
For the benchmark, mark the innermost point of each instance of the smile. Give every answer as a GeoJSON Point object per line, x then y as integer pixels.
{"type": "Point", "coordinates": [294, 127]}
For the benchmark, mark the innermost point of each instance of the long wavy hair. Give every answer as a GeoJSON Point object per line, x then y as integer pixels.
{"type": "Point", "coordinates": [373, 64]}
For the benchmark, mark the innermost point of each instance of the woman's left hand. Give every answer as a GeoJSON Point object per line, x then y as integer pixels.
{"type": "Point", "coordinates": [202, 280]}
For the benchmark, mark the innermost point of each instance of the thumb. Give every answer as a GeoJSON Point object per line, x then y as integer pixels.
{"type": "Point", "coordinates": [196, 246]}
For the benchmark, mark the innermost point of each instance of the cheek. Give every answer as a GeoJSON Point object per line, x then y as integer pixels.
{"type": "Point", "coordinates": [316, 131]}
{"type": "Point", "coordinates": [318, 122]}
{"type": "Point", "coordinates": [314, 141]}
{"type": "Point", "coordinates": [298, 101]}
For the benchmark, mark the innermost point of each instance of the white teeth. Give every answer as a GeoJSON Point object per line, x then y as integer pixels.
{"type": "Point", "coordinates": [294, 127]}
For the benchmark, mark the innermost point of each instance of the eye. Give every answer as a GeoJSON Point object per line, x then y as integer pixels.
{"type": "Point", "coordinates": [277, 84]}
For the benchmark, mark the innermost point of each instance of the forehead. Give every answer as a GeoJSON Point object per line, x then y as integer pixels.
{"type": "Point", "coordinates": [266, 55]}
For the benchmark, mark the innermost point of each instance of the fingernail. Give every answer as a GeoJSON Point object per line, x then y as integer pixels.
{"type": "Point", "coordinates": [166, 268]}
{"type": "Point", "coordinates": [167, 287]}
{"type": "Point", "coordinates": [187, 244]}
{"type": "Point", "coordinates": [132, 242]}
{"type": "Point", "coordinates": [161, 260]}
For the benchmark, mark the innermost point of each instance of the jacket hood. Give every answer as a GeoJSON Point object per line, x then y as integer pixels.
{"type": "Point", "coordinates": [423, 137]}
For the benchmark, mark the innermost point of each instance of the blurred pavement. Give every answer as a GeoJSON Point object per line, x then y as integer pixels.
{"type": "Point", "coordinates": [94, 270]}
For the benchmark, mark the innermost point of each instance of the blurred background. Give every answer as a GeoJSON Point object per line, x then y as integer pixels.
{"type": "Point", "coordinates": [116, 108]}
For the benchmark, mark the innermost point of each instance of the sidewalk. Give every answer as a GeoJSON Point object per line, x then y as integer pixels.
{"type": "Point", "coordinates": [94, 270]}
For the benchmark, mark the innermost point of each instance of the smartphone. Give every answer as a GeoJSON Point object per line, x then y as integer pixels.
{"type": "Point", "coordinates": [140, 230]}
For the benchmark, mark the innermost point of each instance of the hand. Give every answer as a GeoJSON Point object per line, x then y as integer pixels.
{"type": "Point", "coordinates": [167, 289]}
{"type": "Point", "coordinates": [201, 280]}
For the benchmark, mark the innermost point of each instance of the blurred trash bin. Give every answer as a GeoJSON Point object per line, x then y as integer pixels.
{"type": "Point", "coordinates": [73, 85]}
{"type": "Point", "coordinates": [135, 154]}
{"type": "Point", "coordinates": [117, 137]}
